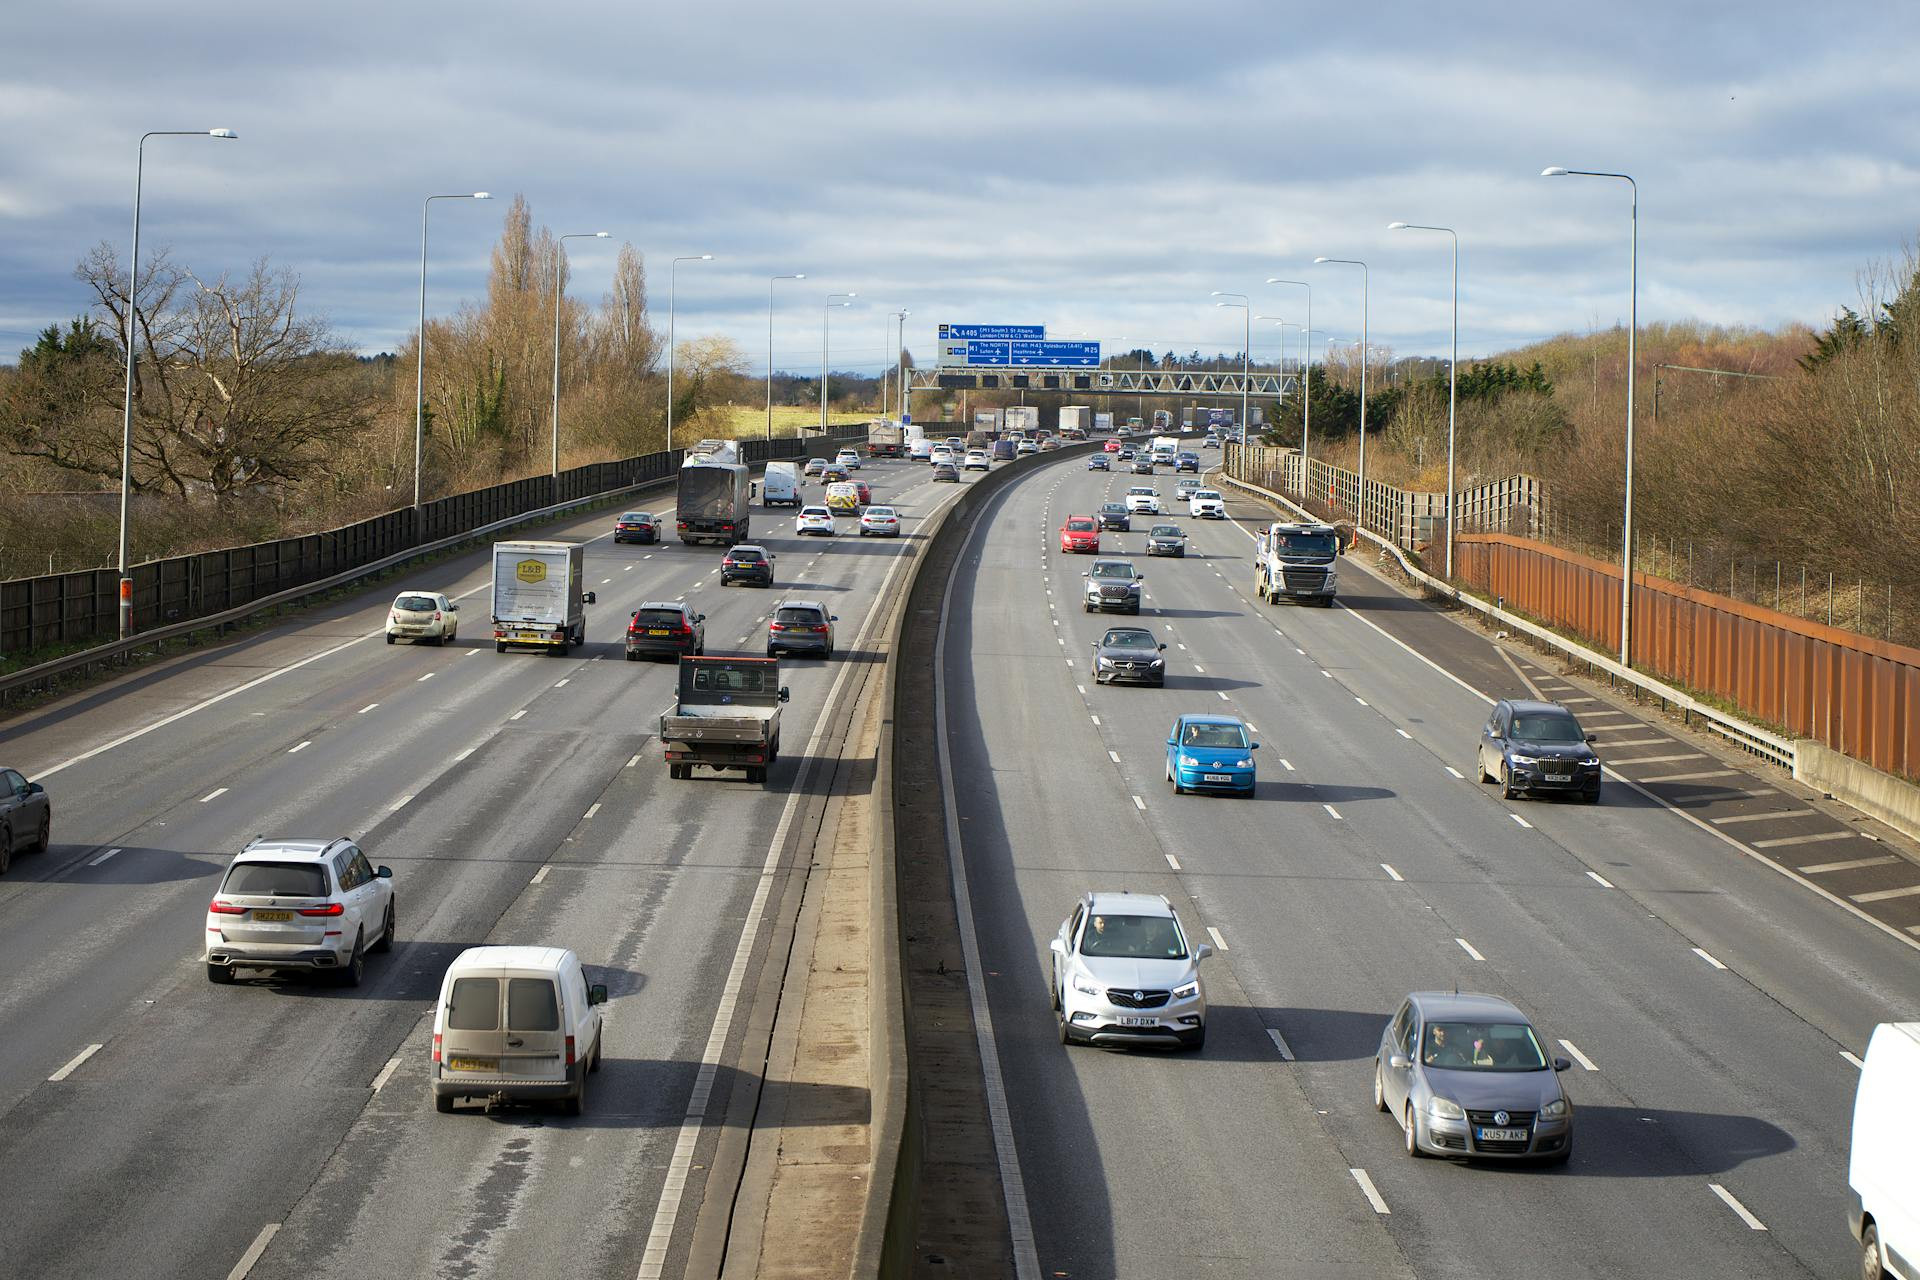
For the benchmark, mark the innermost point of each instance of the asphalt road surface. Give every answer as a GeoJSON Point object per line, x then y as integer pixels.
{"type": "Point", "coordinates": [282, 1127]}
{"type": "Point", "coordinates": [1709, 1003]}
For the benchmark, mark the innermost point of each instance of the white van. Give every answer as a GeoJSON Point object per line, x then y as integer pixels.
{"type": "Point", "coordinates": [518, 1023]}
{"type": "Point", "coordinates": [921, 450]}
{"type": "Point", "coordinates": [1883, 1172]}
{"type": "Point", "coordinates": [780, 486]}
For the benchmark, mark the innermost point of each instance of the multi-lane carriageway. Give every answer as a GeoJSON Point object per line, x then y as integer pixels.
{"type": "Point", "coordinates": [152, 1124]}
{"type": "Point", "coordinates": [156, 1125]}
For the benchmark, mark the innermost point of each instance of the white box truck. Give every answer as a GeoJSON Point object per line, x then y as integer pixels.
{"type": "Point", "coordinates": [1024, 418]}
{"type": "Point", "coordinates": [537, 597]}
{"type": "Point", "coordinates": [1103, 423]}
{"type": "Point", "coordinates": [1075, 420]}
{"type": "Point", "coordinates": [1883, 1168]}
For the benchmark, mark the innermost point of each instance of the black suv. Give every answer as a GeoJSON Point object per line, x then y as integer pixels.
{"type": "Point", "coordinates": [1534, 748]}
{"type": "Point", "coordinates": [749, 564]}
{"type": "Point", "coordinates": [1113, 515]}
{"type": "Point", "coordinates": [665, 629]}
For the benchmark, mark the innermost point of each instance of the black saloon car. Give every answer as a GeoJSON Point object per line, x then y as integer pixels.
{"type": "Point", "coordinates": [665, 629]}
{"type": "Point", "coordinates": [637, 526]}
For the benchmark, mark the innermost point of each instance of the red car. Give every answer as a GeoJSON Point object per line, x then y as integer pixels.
{"type": "Point", "coordinates": [866, 494]}
{"type": "Point", "coordinates": [1112, 446]}
{"type": "Point", "coordinates": [1080, 534]}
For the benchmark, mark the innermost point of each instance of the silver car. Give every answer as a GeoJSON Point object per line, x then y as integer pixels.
{"type": "Point", "coordinates": [1466, 1075]}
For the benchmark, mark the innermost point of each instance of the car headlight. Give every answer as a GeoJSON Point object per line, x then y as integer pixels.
{"type": "Point", "coordinates": [1106, 662]}
{"type": "Point", "coordinates": [1244, 763]}
{"type": "Point", "coordinates": [1517, 758]}
{"type": "Point", "coordinates": [1084, 987]}
{"type": "Point", "coordinates": [1187, 991]}
{"type": "Point", "coordinates": [1554, 1110]}
{"type": "Point", "coordinates": [1446, 1109]}
{"type": "Point", "coordinates": [1188, 762]}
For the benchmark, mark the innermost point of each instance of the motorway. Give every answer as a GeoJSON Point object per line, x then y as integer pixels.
{"type": "Point", "coordinates": [1711, 1005]}
{"type": "Point", "coordinates": [158, 1125]}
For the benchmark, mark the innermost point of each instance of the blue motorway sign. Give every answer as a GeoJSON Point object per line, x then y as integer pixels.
{"type": "Point", "coordinates": [1075, 354]}
{"type": "Point", "coordinates": [994, 332]}
{"type": "Point", "coordinates": [989, 353]}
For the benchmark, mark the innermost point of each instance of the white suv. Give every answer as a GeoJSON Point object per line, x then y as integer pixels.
{"type": "Point", "coordinates": [848, 458]}
{"type": "Point", "coordinates": [299, 904]}
{"type": "Point", "coordinates": [1207, 504]}
{"type": "Point", "coordinates": [1124, 973]}
{"type": "Point", "coordinates": [1143, 500]}
{"type": "Point", "coordinates": [976, 460]}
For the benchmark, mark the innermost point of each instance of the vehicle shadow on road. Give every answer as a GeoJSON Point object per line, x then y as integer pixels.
{"type": "Point", "coordinates": [1210, 683]}
{"type": "Point", "coordinates": [651, 1093]}
{"type": "Point", "coordinates": [132, 865]}
{"type": "Point", "coordinates": [1192, 613]}
{"type": "Point", "coordinates": [1612, 1141]}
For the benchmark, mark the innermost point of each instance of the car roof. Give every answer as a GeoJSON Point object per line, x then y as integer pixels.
{"type": "Point", "coordinates": [801, 604]}
{"type": "Point", "coordinates": [814, 508]}
{"type": "Point", "coordinates": [1529, 707]}
{"type": "Point", "coordinates": [541, 958]}
{"type": "Point", "coordinates": [746, 546]}
{"type": "Point", "coordinates": [1209, 718]}
{"type": "Point", "coordinates": [415, 591]}
{"type": "Point", "coordinates": [1449, 1006]}
{"type": "Point", "coordinates": [1131, 904]}
{"type": "Point", "coordinates": [294, 850]}
{"type": "Point", "coordinates": [664, 604]}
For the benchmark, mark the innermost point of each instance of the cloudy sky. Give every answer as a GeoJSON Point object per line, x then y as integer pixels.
{"type": "Point", "coordinates": [1098, 168]}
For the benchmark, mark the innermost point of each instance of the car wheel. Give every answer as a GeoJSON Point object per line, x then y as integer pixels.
{"type": "Point", "coordinates": [598, 1041]}
{"type": "Point", "coordinates": [499, 646]}
{"type": "Point", "coordinates": [577, 1101]}
{"type": "Point", "coordinates": [443, 1103]}
{"type": "Point", "coordinates": [1413, 1134]}
{"type": "Point", "coordinates": [45, 839]}
{"type": "Point", "coordinates": [1593, 796]}
{"type": "Point", "coordinates": [1480, 766]}
{"type": "Point", "coordinates": [632, 656]}
{"type": "Point", "coordinates": [756, 773]}
{"type": "Point", "coordinates": [773, 749]}
{"type": "Point", "coordinates": [220, 974]}
{"type": "Point", "coordinates": [1871, 1265]}
{"type": "Point", "coordinates": [389, 637]}
{"type": "Point", "coordinates": [355, 969]}
{"type": "Point", "coordinates": [1053, 988]}
{"type": "Point", "coordinates": [6, 849]}
{"type": "Point", "coordinates": [384, 942]}
{"type": "Point", "coordinates": [1506, 782]}
{"type": "Point", "coordinates": [1197, 1041]}
{"type": "Point", "coordinates": [1066, 1030]}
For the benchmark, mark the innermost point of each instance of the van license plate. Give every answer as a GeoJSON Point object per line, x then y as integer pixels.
{"type": "Point", "coordinates": [474, 1064]}
{"type": "Point", "coordinates": [1138, 1022]}
{"type": "Point", "coordinates": [273, 917]}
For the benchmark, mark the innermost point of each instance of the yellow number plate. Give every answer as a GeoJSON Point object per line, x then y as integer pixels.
{"type": "Point", "coordinates": [474, 1064]}
{"type": "Point", "coordinates": [275, 917]}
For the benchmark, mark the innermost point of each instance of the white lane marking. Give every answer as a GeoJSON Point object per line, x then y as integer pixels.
{"type": "Point", "coordinates": [1177, 643]}
{"type": "Point", "coordinates": [605, 581]}
{"type": "Point", "coordinates": [539, 877]}
{"type": "Point", "coordinates": [1817, 838]}
{"type": "Point", "coordinates": [1361, 701]}
{"type": "Point", "coordinates": [1403, 733]}
{"type": "Point", "coordinates": [1391, 873]}
{"type": "Point", "coordinates": [1327, 674]}
{"type": "Point", "coordinates": [1579, 1057]}
{"type": "Point", "coordinates": [1746, 1214]}
{"type": "Point", "coordinates": [296, 749]}
{"type": "Point", "coordinates": [463, 755]}
{"type": "Point", "coordinates": [591, 810]}
{"type": "Point", "coordinates": [370, 706]}
{"type": "Point", "coordinates": [386, 1073]}
{"type": "Point", "coordinates": [633, 760]}
{"type": "Point", "coordinates": [470, 653]}
{"type": "Point", "coordinates": [74, 1063]}
{"type": "Point", "coordinates": [1600, 880]}
{"type": "Point", "coordinates": [1287, 765]}
{"type": "Point", "coordinates": [427, 676]}
{"type": "Point", "coordinates": [1690, 777]}
{"type": "Point", "coordinates": [1196, 666]}
{"type": "Point", "coordinates": [1855, 1061]}
{"type": "Point", "coordinates": [400, 804]}
{"type": "Point", "coordinates": [1370, 1191]}
{"type": "Point", "coordinates": [1333, 813]}
{"type": "Point", "coordinates": [647, 556]}
{"type": "Point", "coordinates": [1095, 719]}
{"type": "Point", "coordinates": [1114, 756]}
{"type": "Point", "coordinates": [1683, 755]}
{"type": "Point", "coordinates": [563, 684]}
{"type": "Point", "coordinates": [254, 1250]}
{"type": "Point", "coordinates": [1708, 958]}
{"type": "Point", "coordinates": [1468, 948]}
{"type": "Point", "coordinates": [1280, 1044]}
{"type": "Point", "coordinates": [1301, 652]}
{"type": "Point", "coordinates": [1579, 699]}
{"type": "Point", "coordinates": [1172, 861]}
{"type": "Point", "coordinates": [1140, 804]}
{"type": "Point", "coordinates": [1910, 891]}
{"type": "Point", "coordinates": [1456, 773]}
{"type": "Point", "coordinates": [1522, 821]}
{"type": "Point", "coordinates": [214, 794]}
{"type": "Point", "coordinates": [1851, 864]}
{"type": "Point", "coordinates": [1763, 817]}
{"type": "Point", "coordinates": [1083, 693]}
{"type": "Point", "coordinates": [1643, 742]}
{"type": "Point", "coordinates": [516, 715]}
{"type": "Point", "coordinates": [1219, 942]}
{"type": "Point", "coordinates": [103, 857]}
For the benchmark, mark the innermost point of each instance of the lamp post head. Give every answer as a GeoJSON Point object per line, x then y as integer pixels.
{"type": "Point", "coordinates": [1323, 259]}
{"type": "Point", "coordinates": [801, 276]}
{"type": "Point", "coordinates": [222, 133]}
{"type": "Point", "coordinates": [600, 235]}
{"type": "Point", "coordinates": [706, 257]}
{"type": "Point", "coordinates": [1396, 226]}
{"type": "Point", "coordinates": [482, 195]}
{"type": "Point", "coordinates": [1553, 171]}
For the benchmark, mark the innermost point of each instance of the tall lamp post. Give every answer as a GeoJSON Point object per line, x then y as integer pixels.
{"type": "Point", "coordinates": [1633, 333]}
{"type": "Point", "coordinates": [1453, 367]}
{"type": "Point", "coordinates": [899, 362]}
{"type": "Point", "coordinates": [559, 248]}
{"type": "Point", "coordinates": [673, 269]}
{"type": "Point", "coordinates": [126, 412]}
{"type": "Point", "coordinates": [771, 282]}
{"type": "Point", "coordinates": [826, 314]}
{"type": "Point", "coordinates": [1246, 354]}
{"type": "Point", "coordinates": [1366, 289]}
{"type": "Point", "coordinates": [420, 363]}
{"type": "Point", "coordinates": [1306, 383]}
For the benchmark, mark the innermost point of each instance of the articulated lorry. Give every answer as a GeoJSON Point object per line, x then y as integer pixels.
{"type": "Point", "coordinates": [537, 596]}
{"type": "Point", "coordinates": [711, 505]}
{"type": "Point", "coordinates": [886, 439]}
{"type": "Point", "coordinates": [727, 716]}
{"type": "Point", "coordinates": [1296, 562]}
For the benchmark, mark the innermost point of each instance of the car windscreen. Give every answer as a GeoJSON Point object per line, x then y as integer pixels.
{"type": "Point", "coordinates": [1133, 938]}
{"type": "Point", "coordinates": [798, 613]}
{"type": "Point", "coordinates": [1112, 569]}
{"type": "Point", "coordinates": [416, 604]}
{"type": "Point", "coordinates": [1209, 494]}
{"type": "Point", "coordinates": [1546, 728]}
{"type": "Point", "coordinates": [1307, 544]}
{"type": "Point", "coordinates": [1227, 736]}
{"type": "Point", "coordinates": [1129, 640]}
{"type": "Point", "coordinates": [1080, 526]}
{"type": "Point", "coordinates": [658, 618]}
{"type": "Point", "coordinates": [474, 1004]}
{"type": "Point", "coordinates": [1481, 1046]}
{"type": "Point", "coordinates": [1114, 508]}
{"type": "Point", "coordinates": [532, 1005]}
{"type": "Point", "coordinates": [1141, 491]}
{"type": "Point", "coordinates": [1166, 531]}
{"type": "Point", "coordinates": [277, 879]}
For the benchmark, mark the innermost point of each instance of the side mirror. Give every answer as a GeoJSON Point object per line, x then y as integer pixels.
{"type": "Point", "coordinates": [1561, 1064]}
{"type": "Point", "coordinates": [1253, 746]}
{"type": "Point", "coordinates": [35, 789]}
{"type": "Point", "coordinates": [1163, 648]}
{"type": "Point", "coordinates": [1593, 737]}
{"type": "Point", "coordinates": [699, 617]}
{"type": "Point", "coordinates": [1202, 952]}
{"type": "Point", "coordinates": [1058, 946]}
{"type": "Point", "coordinates": [1172, 742]}
{"type": "Point", "coordinates": [833, 617]}
{"type": "Point", "coordinates": [385, 873]}
{"type": "Point", "coordinates": [783, 693]}
{"type": "Point", "coordinates": [597, 993]}
{"type": "Point", "coordinates": [588, 597]}
{"type": "Point", "coordinates": [453, 608]}
{"type": "Point", "coordinates": [1086, 575]}
{"type": "Point", "coordinates": [1398, 1061]}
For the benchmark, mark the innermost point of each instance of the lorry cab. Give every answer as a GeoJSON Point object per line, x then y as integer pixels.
{"type": "Point", "coordinates": [516, 1024]}
{"type": "Point", "coordinates": [1297, 561]}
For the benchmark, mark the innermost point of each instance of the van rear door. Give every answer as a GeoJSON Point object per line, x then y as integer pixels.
{"type": "Point", "coordinates": [471, 1040]}
{"type": "Point", "coordinates": [535, 1041]}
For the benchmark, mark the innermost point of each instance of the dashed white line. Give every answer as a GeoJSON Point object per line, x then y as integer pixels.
{"type": "Point", "coordinates": [1140, 804]}
{"type": "Point", "coordinates": [1600, 880]}
{"type": "Point", "coordinates": [1223, 695]}
{"type": "Point", "coordinates": [563, 684]}
{"type": "Point", "coordinates": [1393, 875]}
{"type": "Point", "coordinates": [1361, 701]}
{"type": "Point", "coordinates": [633, 760]}
{"type": "Point", "coordinates": [1708, 958]}
{"type": "Point", "coordinates": [1403, 733]}
{"type": "Point", "coordinates": [1578, 1056]}
{"type": "Point", "coordinates": [1219, 942]}
{"type": "Point", "coordinates": [73, 1064]}
{"type": "Point", "coordinates": [463, 755]}
{"type": "Point", "coordinates": [1522, 821]}
{"type": "Point", "coordinates": [1333, 813]}
{"type": "Point", "coordinates": [386, 1073]}
{"type": "Point", "coordinates": [1287, 765]}
{"type": "Point", "coordinates": [540, 875]}
{"type": "Point", "coordinates": [103, 857]}
{"type": "Point", "coordinates": [1327, 674]}
{"type": "Point", "coordinates": [1456, 773]}
{"type": "Point", "coordinates": [1280, 1044]}
{"type": "Point", "coordinates": [591, 810]}
{"type": "Point", "coordinates": [1855, 1061]}
{"type": "Point", "coordinates": [1172, 861]}
{"type": "Point", "coordinates": [1196, 666]}
{"type": "Point", "coordinates": [1370, 1191]}
{"type": "Point", "coordinates": [516, 715]}
{"type": "Point", "coordinates": [1114, 756]}
{"type": "Point", "coordinates": [400, 804]}
{"type": "Point", "coordinates": [1468, 948]}
{"type": "Point", "coordinates": [1746, 1214]}
{"type": "Point", "coordinates": [299, 747]}
{"type": "Point", "coordinates": [370, 706]}
{"type": "Point", "coordinates": [605, 581]}
{"type": "Point", "coordinates": [214, 794]}
{"type": "Point", "coordinates": [427, 676]}
{"type": "Point", "coordinates": [254, 1250]}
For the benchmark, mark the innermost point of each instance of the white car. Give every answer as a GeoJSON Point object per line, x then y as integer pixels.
{"type": "Point", "coordinates": [976, 460]}
{"type": "Point", "coordinates": [814, 520]}
{"type": "Point", "coordinates": [422, 615]}
{"type": "Point", "coordinates": [299, 904]}
{"type": "Point", "coordinates": [882, 522]}
{"type": "Point", "coordinates": [847, 458]}
{"type": "Point", "coordinates": [1026, 447]}
{"type": "Point", "coordinates": [1124, 973]}
{"type": "Point", "coordinates": [1207, 504]}
{"type": "Point", "coordinates": [941, 454]}
{"type": "Point", "coordinates": [1142, 500]}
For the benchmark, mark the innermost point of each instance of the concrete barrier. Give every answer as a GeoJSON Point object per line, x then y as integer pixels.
{"type": "Point", "coordinates": [1892, 800]}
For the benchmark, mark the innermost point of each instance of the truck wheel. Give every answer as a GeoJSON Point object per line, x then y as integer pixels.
{"type": "Point", "coordinates": [756, 773]}
{"type": "Point", "coordinates": [773, 749]}
{"type": "Point", "coordinates": [499, 646]}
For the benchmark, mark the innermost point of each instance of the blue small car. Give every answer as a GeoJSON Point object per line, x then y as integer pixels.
{"type": "Point", "coordinates": [1211, 753]}
{"type": "Point", "coordinates": [1098, 462]}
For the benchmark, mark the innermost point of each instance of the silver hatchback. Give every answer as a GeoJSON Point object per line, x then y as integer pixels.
{"type": "Point", "coordinates": [1466, 1075]}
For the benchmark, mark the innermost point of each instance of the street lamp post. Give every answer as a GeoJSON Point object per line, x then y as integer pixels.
{"type": "Point", "coordinates": [1365, 292]}
{"type": "Point", "coordinates": [899, 363]}
{"type": "Point", "coordinates": [1633, 333]}
{"type": "Point", "coordinates": [559, 246]}
{"type": "Point", "coordinates": [771, 281]}
{"type": "Point", "coordinates": [126, 412]}
{"type": "Point", "coordinates": [826, 314]}
{"type": "Point", "coordinates": [1306, 383]}
{"type": "Point", "coordinates": [420, 362]}
{"type": "Point", "coordinates": [1246, 354]}
{"type": "Point", "coordinates": [673, 269]}
{"type": "Point", "coordinates": [1453, 368]}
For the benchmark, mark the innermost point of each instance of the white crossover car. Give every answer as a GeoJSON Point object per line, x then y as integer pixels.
{"type": "Point", "coordinates": [1124, 973]}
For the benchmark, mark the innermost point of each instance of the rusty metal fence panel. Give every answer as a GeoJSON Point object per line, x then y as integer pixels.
{"type": "Point", "coordinates": [81, 606]}
{"type": "Point", "coordinates": [1858, 695]}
